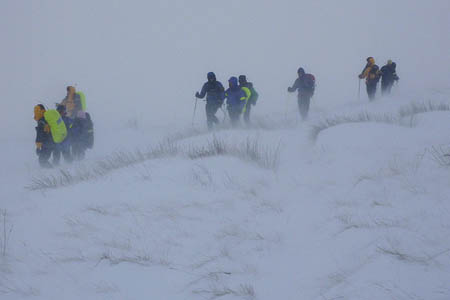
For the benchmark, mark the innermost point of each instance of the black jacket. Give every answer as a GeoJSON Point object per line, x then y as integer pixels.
{"type": "Point", "coordinates": [388, 73]}
{"type": "Point", "coordinates": [43, 135]}
{"type": "Point", "coordinates": [213, 90]}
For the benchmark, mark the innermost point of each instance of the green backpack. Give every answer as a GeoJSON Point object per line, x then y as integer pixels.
{"type": "Point", "coordinates": [56, 124]}
{"type": "Point", "coordinates": [82, 99]}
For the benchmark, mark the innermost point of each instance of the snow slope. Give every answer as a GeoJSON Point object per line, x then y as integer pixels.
{"type": "Point", "coordinates": [340, 217]}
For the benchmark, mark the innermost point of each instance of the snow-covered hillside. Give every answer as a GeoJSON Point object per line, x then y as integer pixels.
{"type": "Point", "coordinates": [275, 215]}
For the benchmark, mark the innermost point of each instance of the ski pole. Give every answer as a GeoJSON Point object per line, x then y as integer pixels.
{"type": "Point", "coordinates": [359, 89]}
{"type": "Point", "coordinates": [224, 114]}
{"type": "Point", "coordinates": [195, 108]}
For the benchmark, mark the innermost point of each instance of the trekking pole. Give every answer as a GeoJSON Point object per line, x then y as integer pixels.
{"type": "Point", "coordinates": [224, 114]}
{"type": "Point", "coordinates": [195, 108]}
{"type": "Point", "coordinates": [359, 89]}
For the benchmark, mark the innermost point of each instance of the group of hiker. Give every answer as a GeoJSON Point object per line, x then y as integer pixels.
{"type": "Point", "coordinates": [66, 130]}
{"type": "Point", "coordinates": [372, 73]}
{"type": "Point", "coordinates": [241, 95]}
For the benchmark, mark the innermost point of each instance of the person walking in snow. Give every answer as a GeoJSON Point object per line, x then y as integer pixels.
{"type": "Point", "coordinates": [44, 141]}
{"type": "Point", "coordinates": [305, 84]}
{"type": "Point", "coordinates": [214, 92]}
{"type": "Point", "coordinates": [252, 96]}
{"type": "Point", "coordinates": [372, 76]}
{"type": "Point", "coordinates": [388, 77]}
{"type": "Point", "coordinates": [236, 99]}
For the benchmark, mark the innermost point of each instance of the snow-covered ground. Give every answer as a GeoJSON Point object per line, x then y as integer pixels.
{"type": "Point", "coordinates": [335, 217]}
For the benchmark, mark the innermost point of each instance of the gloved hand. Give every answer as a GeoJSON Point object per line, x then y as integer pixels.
{"type": "Point", "coordinates": [360, 76]}
{"type": "Point", "coordinates": [290, 90]}
{"type": "Point", "coordinates": [197, 95]}
{"type": "Point", "coordinates": [38, 148]}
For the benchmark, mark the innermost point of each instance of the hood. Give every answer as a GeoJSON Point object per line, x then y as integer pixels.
{"type": "Point", "coordinates": [300, 72]}
{"type": "Point", "coordinates": [211, 76]}
{"type": "Point", "coordinates": [233, 82]}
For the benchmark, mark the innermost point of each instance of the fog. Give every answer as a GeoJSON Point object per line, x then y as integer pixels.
{"type": "Point", "coordinates": [151, 57]}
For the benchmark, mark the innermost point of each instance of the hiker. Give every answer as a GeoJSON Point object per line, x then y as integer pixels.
{"type": "Point", "coordinates": [50, 131]}
{"type": "Point", "coordinates": [372, 76]}
{"type": "Point", "coordinates": [81, 134]}
{"type": "Point", "coordinates": [305, 84]}
{"type": "Point", "coordinates": [388, 76]}
{"type": "Point", "coordinates": [74, 102]}
{"type": "Point", "coordinates": [251, 98]}
{"type": "Point", "coordinates": [44, 143]}
{"type": "Point", "coordinates": [236, 98]}
{"type": "Point", "coordinates": [64, 146]}
{"type": "Point", "coordinates": [214, 92]}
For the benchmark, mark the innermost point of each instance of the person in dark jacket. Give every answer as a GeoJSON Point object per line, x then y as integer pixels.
{"type": "Point", "coordinates": [305, 84]}
{"type": "Point", "coordinates": [236, 98]}
{"type": "Point", "coordinates": [80, 134]}
{"type": "Point", "coordinates": [388, 76]}
{"type": "Point", "coordinates": [251, 99]}
{"type": "Point", "coordinates": [372, 76]}
{"type": "Point", "coordinates": [214, 92]}
{"type": "Point", "coordinates": [63, 147]}
{"type": "Point", "coordinates": [44, 141]}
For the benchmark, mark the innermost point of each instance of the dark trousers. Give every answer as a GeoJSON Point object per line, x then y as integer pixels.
{"type": "Point", "coordinates": [248, 109]}
{"type": "Point", "coordinates": [371, 90]}
{"type": "Point", "coordinates": [235, 113]}
{"type": "Point", "coordinates": [211, 110]}
{"type": "Point", "coordinates": [304, 100]}
{"type": "Point", "coordinates": [63, 148]}
{"type": "Point", "coordinates": [78, 150]}
{"type": "Point", "coordinates": [386, 87]}
{"type": "Point", "coordinates": [44, 155]}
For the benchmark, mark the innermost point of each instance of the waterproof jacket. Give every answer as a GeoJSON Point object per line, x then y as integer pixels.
{"type": "Point", "coordinates": [43, 134]}
{"type": "Point", "coordinates": [81, 129]}
{"type": "Point", "coordinates": [236, 97]}
{"type": "Point", "coordinates": [305, 84]}
{"type": "Point", "coordinates": [388, 74]}
{"type": "Point", "coordinates": [213, 90]}
{"type": "Point", "coordinates": [370, 73]}
{"type": "Point", "coordinates": [254, 95]}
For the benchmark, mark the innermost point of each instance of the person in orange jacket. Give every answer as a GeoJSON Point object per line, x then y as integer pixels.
{"type": "Point", "coordinates": [372, 76]}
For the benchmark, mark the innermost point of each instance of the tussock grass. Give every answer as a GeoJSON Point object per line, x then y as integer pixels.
{"type": "Point", "coordinates": [441, 155]}
{"type": "Point", "coordinates": [362, 117]}
{"type": "Point", "coordinates": [388, 118]}
{"type": "Point", "coordinates": [251, 151]}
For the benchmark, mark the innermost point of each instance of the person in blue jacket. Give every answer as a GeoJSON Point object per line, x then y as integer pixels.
{"type": "Point", "coordinates": [214, 92]}
{"type": "Point", "coordinates": [236, 99]}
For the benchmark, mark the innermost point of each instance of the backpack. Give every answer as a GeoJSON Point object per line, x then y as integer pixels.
{"type": "Point", "coordinates": [309, 82]}
{"type": "Point", "coordinates": [374, 74]}
{"type": "Point", "coordinates": [57, 127]}
{"type": "Point", "coordinates": [82, 100]}
{"type": "Point", "coordinates": [90, 132]}
{"type": "Point", "coordinates": [254, 96]}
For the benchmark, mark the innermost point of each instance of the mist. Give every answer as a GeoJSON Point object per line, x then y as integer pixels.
{"type": "Point", "coordinates": [151, 57]}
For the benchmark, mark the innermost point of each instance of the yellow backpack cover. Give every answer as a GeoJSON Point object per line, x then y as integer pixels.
{"type": "Point", "coordinates": [56, 124]}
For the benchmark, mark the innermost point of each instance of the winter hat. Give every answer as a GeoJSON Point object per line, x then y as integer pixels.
{"type": "Point", "coordinates": [389, 62]}
{"type": "Point", "coordinates": [242, 79]}
{"type": "Point", "coordinates": [301, 71]}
